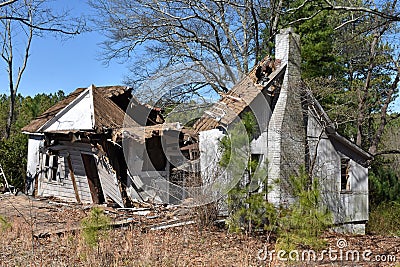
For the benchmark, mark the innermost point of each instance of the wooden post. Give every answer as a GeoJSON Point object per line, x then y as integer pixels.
{"type": "Point", "coordinates": [71, 173]}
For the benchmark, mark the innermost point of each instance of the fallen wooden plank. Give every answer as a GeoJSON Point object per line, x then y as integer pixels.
{"type": "Point", "coordinates": [166, 226]}
{"type": "Point", "coordinates": [133, 209]}
{"type": "Point", "coordinates": [73, 230]}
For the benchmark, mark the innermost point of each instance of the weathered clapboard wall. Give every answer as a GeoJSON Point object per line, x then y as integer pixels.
{"type": "Point", "coordinates": [348, 207]}
{"type": "Point", "coordinates": [63, 187]}
{"type": "Point", "coordinates": [108, 180]}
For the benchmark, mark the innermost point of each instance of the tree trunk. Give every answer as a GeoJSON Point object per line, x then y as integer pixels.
{"type": "Point", "coordinates": [10, 117]}
{"type": "Point", "coordinates": [383, 120]}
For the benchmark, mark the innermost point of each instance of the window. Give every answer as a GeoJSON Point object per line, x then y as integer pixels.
{"type": "Point", "coordinates": [54, 168]}
{"type": "Point", "coordinates": [344, 174]}
{"type": "Point", "coordinates": [50, 167]}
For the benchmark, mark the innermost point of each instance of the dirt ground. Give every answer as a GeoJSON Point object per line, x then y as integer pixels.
{"type": "Point", "coordinates": [45, 232]}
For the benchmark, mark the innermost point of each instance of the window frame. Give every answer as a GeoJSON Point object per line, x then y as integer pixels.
{"type": "Point", "coordinates": [345, 182]}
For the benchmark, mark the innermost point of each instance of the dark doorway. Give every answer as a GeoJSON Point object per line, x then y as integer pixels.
{"type": "Point", "coordinates": [93, 178]}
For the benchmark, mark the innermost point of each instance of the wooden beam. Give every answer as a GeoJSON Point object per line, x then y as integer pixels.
{"type": "Point", "coordinates": [71, 173]}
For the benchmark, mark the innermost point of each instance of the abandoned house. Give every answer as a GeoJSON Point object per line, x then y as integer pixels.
{"type": "Point", "coordinates": [71, 151]}
{"type": "Point", "coordinates": [83, 150]}
{"type": "Point", "coordinates": [294, 132]}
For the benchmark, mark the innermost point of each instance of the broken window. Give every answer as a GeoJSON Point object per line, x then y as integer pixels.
{"type": "Point", "coordinates": [344, 174]}
{"type": "Point", "coordinates": [50, 167]}
{"type": "Point", "coordinates": [54, 168]}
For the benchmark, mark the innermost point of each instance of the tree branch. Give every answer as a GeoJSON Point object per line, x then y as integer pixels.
{"type": "Point", "coordinates": [28, 23]}
{"type": "Point", "coordinates": [7, 3]}
{"type": "Point", "coordinates": [387, 152]}
{"type": "Point", "coordinates": [392, 17]}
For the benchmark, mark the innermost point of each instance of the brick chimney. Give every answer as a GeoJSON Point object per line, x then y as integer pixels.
{"type": "Point", "coordinates": [286, 138]}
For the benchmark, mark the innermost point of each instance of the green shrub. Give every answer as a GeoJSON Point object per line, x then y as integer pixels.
{"type": "Point", "coordinates": [384, 185]}
{"type": "Point", "coordinates": [384, 219]}
{"type": "Point", "coordinates": [247, 205]}
{"type": "Point", "coordinates": [300, 224]}
{"type": "Point", "coordinates": [251, 211]}
{"type": "Point", "coordinates": [304, 221]}
{"type": "Point", "coordinates": [4, 224]}
{"type": "Point", "coordinates": [13, 153]}
{"type": "Point", "coordinates": [94, 227]}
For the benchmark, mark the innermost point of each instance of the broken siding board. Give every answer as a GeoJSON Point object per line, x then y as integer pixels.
{"type": "Point", "coordinates": [109, 181]}
{"type": "Point", "coordinates": [76, 146]}
{"type": "Point", "coordinates": [110, 189]}
{"type": "Point", "coordinates": [83, 187]}
{"type": "Point", "coordinates": [62, 191]}
{"type": "Point", "coordinates": [73, 180]}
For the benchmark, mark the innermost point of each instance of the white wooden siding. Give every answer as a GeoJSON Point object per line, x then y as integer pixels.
{"type": "Point", "coordinates": [78, 115]}
{"type": "Point", "coordinates": [63, 188]}
{"type": "Point", "coordinates": [108, 180]}
{"type": "Point", "coordinates": [32, 167]}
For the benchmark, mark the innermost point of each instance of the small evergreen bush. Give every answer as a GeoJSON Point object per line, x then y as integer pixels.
{"type": "Point", "coordinates": [94, 227]}
{"type": "Point", "coordinates": [304, 221]}
{"type": "Point", "coordinates": [299, 224]}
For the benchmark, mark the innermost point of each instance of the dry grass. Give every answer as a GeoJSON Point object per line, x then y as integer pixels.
{"type": "Point", "coordinates": [135, 246]}
{"type": "Point", "coordinates": [184, 246]}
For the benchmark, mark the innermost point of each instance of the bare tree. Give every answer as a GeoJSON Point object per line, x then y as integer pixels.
{"type": "Point", "coordinates": [163, 32]}
{"type": "Point", "coordinates": [20, 22]}
{"type": "Point", "coordinates": [170, 32]}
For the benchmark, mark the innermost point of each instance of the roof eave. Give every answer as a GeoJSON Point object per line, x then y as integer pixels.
{"type": "Point", "coordinates": [333, 134]}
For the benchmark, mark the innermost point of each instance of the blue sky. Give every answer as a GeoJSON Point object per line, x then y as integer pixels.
{"type": "Point", "coordinates": [56, 64]}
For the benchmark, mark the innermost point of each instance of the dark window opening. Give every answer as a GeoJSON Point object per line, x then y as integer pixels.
{"type": "Point", "coordinates": [344, 174]}
{"type": "Point", "coordinates": [46, 165]}
{"type": "Point", "coordinates": [54, 168]}
{"type": "Point", "coordinates": [47, 160]}
{"type": "Point", "coordinates": [154, 158]}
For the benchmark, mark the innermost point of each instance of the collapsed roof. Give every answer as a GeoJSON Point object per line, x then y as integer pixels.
{"type": "Point", "coordinates": [92, 109]}
{"type": "Point", "coordinates": [236, 100]}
